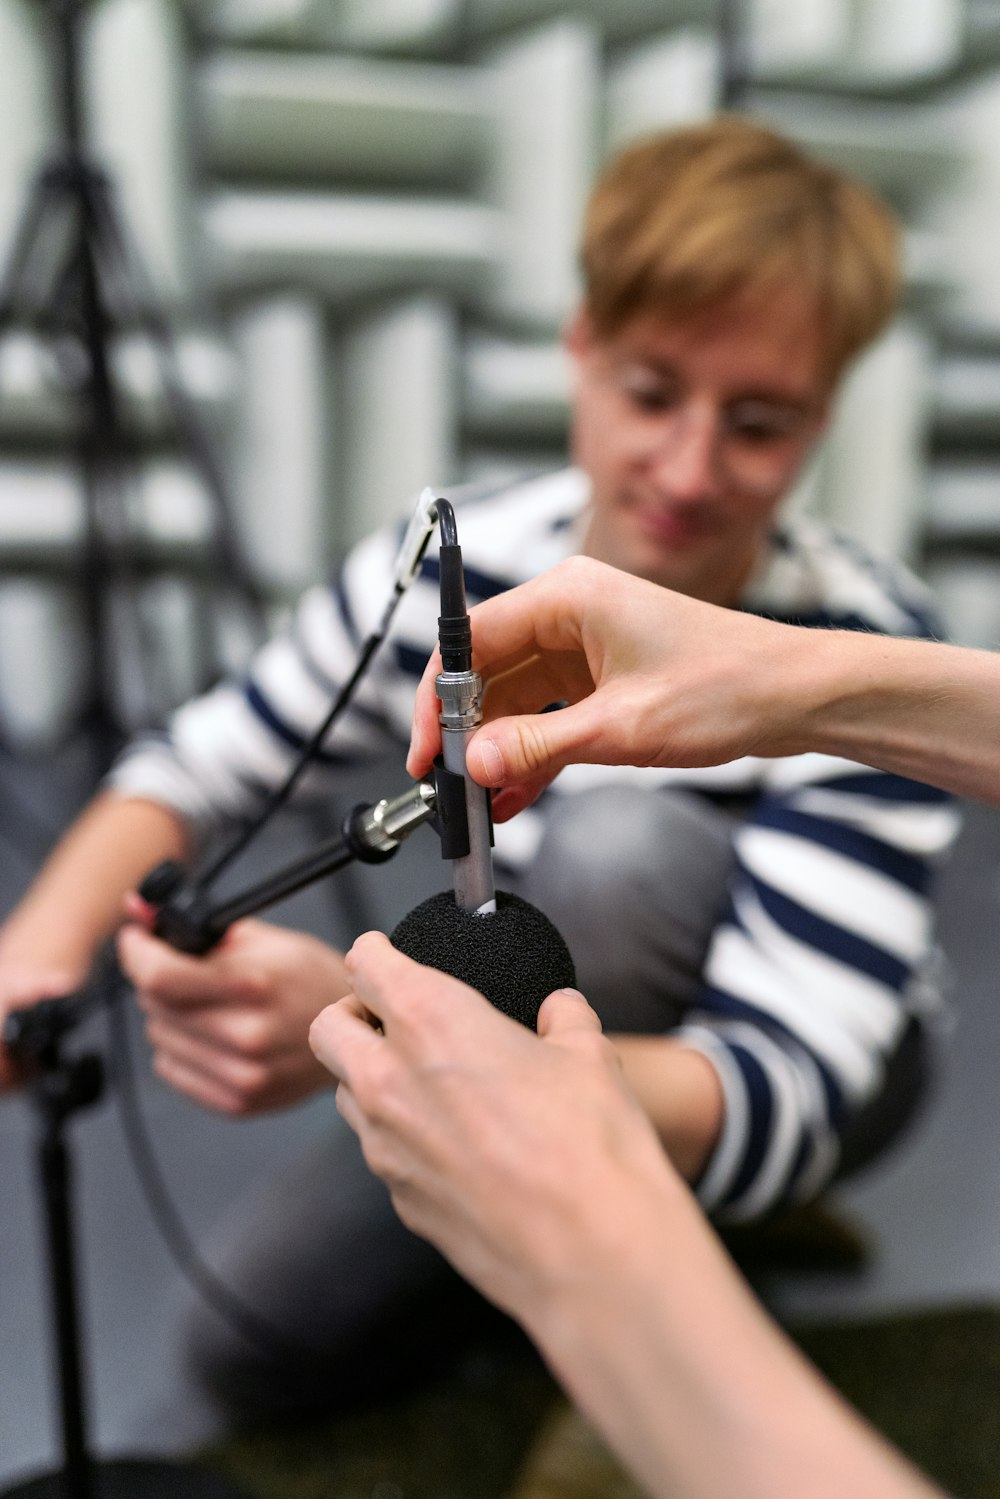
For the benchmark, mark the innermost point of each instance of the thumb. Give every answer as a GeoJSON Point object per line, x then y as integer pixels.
{"type": "Point", "coordinates": [533, 747]}
{"type": "Point", "coordinates": [565, 1011]}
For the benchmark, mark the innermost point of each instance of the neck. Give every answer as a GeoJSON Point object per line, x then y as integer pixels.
{"type": "Point", "coordinates": [717, 584]}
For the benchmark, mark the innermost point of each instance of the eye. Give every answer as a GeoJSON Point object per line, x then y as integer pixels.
{"type": "Point", "coordinates": [761, 425]}
{"type": "Point", "coordinates": [648, 393]}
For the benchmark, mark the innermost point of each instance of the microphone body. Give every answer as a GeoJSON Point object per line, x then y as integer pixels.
{"type": "Point", "coordinates": [460, 694]}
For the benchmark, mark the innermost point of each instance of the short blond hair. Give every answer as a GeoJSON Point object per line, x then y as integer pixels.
{"type": "Point", "coordinates": [730, 211]}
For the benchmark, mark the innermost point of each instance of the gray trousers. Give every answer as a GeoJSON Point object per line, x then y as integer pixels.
{"type": "Point", "coordinates": [634, 880]}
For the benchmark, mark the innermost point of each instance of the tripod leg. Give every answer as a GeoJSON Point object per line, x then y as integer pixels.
{"type": "Point", "coordinates": [55, 1177]}
{"type": "Point", "coordinates": [24, 276]}
{"type": "Point", "coordinates": [134, 283]}
{"type": "Point", "coordinates": [100, 439]}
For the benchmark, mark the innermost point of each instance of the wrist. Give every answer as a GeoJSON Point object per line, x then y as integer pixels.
{"type": "Point", "coordinates": [864, 697]}
{"type": "Point", "coordinates": [594, 1276]}
{"type": "Point", "coordinates": [802, 690]}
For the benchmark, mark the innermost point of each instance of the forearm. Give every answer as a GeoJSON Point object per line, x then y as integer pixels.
{"type": "Point", "coordinates": [659, 1341]}
{"type": "Point", "coordinates": [915, 707]}
{"type": "Point", "coordinates": [76, 900]}
{"type": "Point", "coordinates": [680, 1092]}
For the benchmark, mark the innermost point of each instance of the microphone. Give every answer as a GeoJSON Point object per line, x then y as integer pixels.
{"type": "Point", "coordinates": [460, 692]}
{"type": "Point", "coordinates": [493, 940]}
{"type": "Point", "coordinates": [514, 955]}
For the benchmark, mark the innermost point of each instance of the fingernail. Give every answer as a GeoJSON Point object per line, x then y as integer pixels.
{"type": "Point", "coordinates": [492, 761]}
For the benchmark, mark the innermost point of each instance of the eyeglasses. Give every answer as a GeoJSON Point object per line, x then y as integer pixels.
{"type": "Point", "coordinates": [756, 441]}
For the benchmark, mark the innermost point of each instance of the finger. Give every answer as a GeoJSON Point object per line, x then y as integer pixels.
{"type": "Point", "coordinates": [541, 615]}
{"type": "Point", "coordinates": [565, 1011]}
{"type": "Point", "coordinates": [425, 735]}
{"type": "Point", "coordinates": [201, 1087]}
{"type": "Point", "coordinates": [223, 1030]}
{"type": "Point", "coordinates": [535, 683]}
{"type": "Point", "coordinates": [508, 802]}
{"type": "Point", "coordinates": [531, 749]}
{"type": "Point", "coordinates": [246, 1077]}
{"type": "Point", "coordinates": [139, 910]}
{"type": "Point", "coordinates": [409, 999]}
{"type": "Point", "coordinates": [348, 1107]}
{"type": "Point", "coordinates": [343, 1036]}
{"type": "Point", "coordinates": [175, 978]}
{"type": "Point", "coordinates": [375, 968]}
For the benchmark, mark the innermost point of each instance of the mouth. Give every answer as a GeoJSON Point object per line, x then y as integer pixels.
{"type": "Point", "coordinates": [670, 526]}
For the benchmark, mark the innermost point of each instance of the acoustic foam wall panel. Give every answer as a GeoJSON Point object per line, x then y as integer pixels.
{"type": "Point", "coordinates": [287, 115]}
{"type": "Point", "coordinates": [398, 369]}
{"type": "Point", "coordinates": [541, 166]}
{"type": "Point", "coordinates": [138, 100]}
{"type": "Point", "coordinates": [873, 477]}
{"type": "Point", "coordinates": [281, 440]}
{"type": "Point", "coordinates": [672, 79]}
{"type": "Point", "coordinates": [26, 112]}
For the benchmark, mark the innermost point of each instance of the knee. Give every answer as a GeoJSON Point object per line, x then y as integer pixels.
{"type": "Point", "coordinates": [595, 840]}
{"type": "Point", "coordinates": [605, 852]}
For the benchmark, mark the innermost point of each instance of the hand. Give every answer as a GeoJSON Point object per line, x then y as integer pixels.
{"type": "Point", "coordinates": [497, 1145]}
{"type": "Point", "coordinates": [230, 1029]}
{"type": "Point", "coordinates": [651, 678]}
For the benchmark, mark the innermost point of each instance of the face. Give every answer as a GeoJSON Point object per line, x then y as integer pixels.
{"type": "Point", "coordinates": [692, 434]}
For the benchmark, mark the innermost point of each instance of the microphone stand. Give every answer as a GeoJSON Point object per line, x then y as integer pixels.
{"type": "Point", "coordinates": [61, 1085]}
{"type": "Point", "coordinates": [187, 918]}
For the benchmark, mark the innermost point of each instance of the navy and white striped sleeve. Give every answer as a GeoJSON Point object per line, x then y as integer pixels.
{"type": "Point", "coordinates": [812, 971]}
{"type": "Point", "coordinates": [221, 754]}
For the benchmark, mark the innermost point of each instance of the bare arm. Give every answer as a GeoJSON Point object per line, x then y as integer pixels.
{"type": "Point", "coordinates": [923, 710]}
{"type": "Point", "coordinates": [529, 1163]}
{"type": "Point", "coordinates": [47, 943]}
{"type": "Point", "coordinates": [680, 1092]}
{"type": "Point", "coordinates": [654, 678]}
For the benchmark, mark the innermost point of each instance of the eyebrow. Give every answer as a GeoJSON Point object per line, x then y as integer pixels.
{"type": "Point", "coordinates": [666, 370]}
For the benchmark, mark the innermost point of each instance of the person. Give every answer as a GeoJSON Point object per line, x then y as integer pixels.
{"type": "Point", "coordinates": [526, 1159]}
{"type": "Point", "coordinates": [768, 987]}
{"type": "Point", "coordinates": [531, 1165]}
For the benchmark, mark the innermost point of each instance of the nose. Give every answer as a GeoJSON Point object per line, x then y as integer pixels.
{"type": "Point", "coordinates": [684, 461]}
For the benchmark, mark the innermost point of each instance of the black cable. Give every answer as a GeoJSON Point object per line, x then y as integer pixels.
{"type": "Point", "coordinates": [405, 571]}
{"type": "Point", "coordinates": [244, 1319]}
{"type": "Point", "coordinates": [308, 753]}
{"type": "Point", "coordinates": [454, 625]}
{"type": "Point", "coordinates": [446, 522]}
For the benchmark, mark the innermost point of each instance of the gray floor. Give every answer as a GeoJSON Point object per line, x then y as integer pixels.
{"type": "Point", "coordinates": [932, 1212]}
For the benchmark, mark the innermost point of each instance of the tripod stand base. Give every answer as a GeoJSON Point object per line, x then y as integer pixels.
{"type": "Point", "coordinates": [134, 1478]}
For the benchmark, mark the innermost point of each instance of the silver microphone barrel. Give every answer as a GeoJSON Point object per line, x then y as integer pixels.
{"type": "Point", "coordinates": [460, 694]}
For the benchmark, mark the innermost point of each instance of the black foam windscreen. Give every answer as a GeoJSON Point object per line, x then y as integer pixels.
{"type": "Point", "coordinates": [515, 956]}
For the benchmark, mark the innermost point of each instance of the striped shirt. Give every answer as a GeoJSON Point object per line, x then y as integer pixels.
{"type": "Point", "coordinates": [825, 943]}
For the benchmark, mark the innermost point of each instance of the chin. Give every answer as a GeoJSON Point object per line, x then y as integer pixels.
{"type": "Point", "coordinates": [665, 568]}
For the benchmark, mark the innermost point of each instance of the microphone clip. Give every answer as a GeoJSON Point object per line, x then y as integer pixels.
{"type": "Point", "coordinates": [451, 819]}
